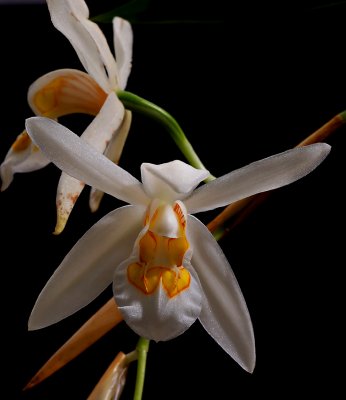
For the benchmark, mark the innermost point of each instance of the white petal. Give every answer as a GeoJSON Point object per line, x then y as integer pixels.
{"type": "Point", "coordinates": [80, 160]}
{"type": "Point", "coordinates": [224, 312]}
{"type": "Point", "coordinates": [68, 191]}
{"type": "Point", "coordinates": [261, 176]}
{"type": "Point", "coordinates": [65, 91]}
{"type": "Point", "coordinates": [155, 316]}
{"type": "Point", "coordinates": [113, 152]}
{"type": "Point", "coordinates": [123, 42]}
{"type": "Point", "coordinates": [99, 133]}
{"type": "Point", "coordinates": [23, 156]}
{"type": "Point", "coordinates": [171, 181]}
{"type": "Point", "coordinates": [101, 130]}
{"type": "Point", "coordinates": [71, 17]}
{"type": "Point", "coordinates": [88, 268]}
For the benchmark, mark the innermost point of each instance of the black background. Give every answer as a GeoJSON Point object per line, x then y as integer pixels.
{"type": "Point", "coordinates": [254, 85]}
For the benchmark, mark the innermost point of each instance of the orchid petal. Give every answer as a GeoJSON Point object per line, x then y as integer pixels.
{"type": "Point", "coordinates": [156, 316]}
{"type": "Point", "coordinates": [68, 191]}
{"type": "Point", "coordinates": [113, 152]}
{"type": "Point", "coordinates": [224, 312]}
{"type": "Point", "coordinates": [65, 91]}
{"type": "Point", "coordinates": [23, 156]}
{"type": "Point", "coordinates": [80, 160]}
{"type": "Point", "coordinates": [99, 133]}
{"type": "Point", "coordinates": [88, 268]}
{"type": "Point", "coordinates": [71, 18]}
{"type": "Point", "coordinates": [260, 176]}
{"type": "Point", "coordinates": [171, 181]}
{"type": "Point", "coordinates": [123, 42]}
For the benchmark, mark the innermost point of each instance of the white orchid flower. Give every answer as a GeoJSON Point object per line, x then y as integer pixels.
{"type": "Point", "coordinates": [167, 269]}
{"type": "Point", "coordinates": [68, 91]}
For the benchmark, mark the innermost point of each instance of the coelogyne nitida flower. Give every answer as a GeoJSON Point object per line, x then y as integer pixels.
{"type": "Point", "coordinates": [166, 267]}
{"type": "Point", "coordinates": [68, 91]}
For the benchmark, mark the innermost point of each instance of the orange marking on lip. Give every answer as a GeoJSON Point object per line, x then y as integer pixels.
{"type": "Point", "coordinates": [177, 248]}
{"type": "Point", "coordinates": [147, 246]}
{"type": "Point", "coordinates": [177, 209]}
{"type": "Point", "coordinates": [67, 95]}
{"type": "Point", "coordinates": [160, 262]}
{"type": "Point", "coordinates": [174, 281]}
{"type": "Point", "coordinates": [22, 142]}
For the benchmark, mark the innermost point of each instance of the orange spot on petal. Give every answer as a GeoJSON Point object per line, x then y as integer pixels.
{"type": "Point", "coordinates": [72, 197]}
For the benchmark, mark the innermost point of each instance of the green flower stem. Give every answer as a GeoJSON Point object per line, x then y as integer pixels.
{"type": "Point", "coordinates": [135, 103]}
{"type": "Point", "coordinates": [142, 350]}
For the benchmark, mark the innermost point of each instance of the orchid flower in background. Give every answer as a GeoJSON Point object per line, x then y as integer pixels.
{"type": "Point", "coordinates": [167, 269]}
{"type": "Point", "coordinates": [68, 91]}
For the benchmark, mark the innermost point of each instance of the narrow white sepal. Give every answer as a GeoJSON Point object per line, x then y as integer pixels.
{"type": "Point", "coordinates": [260, 176]}
{"type": "Point", "coordinates": [123, 43]}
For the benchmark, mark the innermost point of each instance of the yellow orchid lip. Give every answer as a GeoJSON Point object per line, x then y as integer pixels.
{"type": "Point", "coordinates": [68, 93]}
{"type": "Point", "coordinates": [22, 142]}
{"type": "Point", "coordinates": [161, 257]}
{"type": "Point", "coordinates": [172, 280]}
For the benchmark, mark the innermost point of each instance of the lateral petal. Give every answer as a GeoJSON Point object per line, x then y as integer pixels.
{"type": "Point", "coordinates": [88, 268]}
{"type": "Point", "coordinates": [113, 152]}
{"type": "Point", "coordinates": [260, 176]}
{"type": "Point", "coordinates": [224, 312]}
{"type": "Point", "coordinates": [80, 160]}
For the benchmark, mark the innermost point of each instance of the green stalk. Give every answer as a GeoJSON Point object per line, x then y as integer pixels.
{"type": "Point", "coordinates": [135, 103]}
{"type": "Point", "coordinates": [142, 350]}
